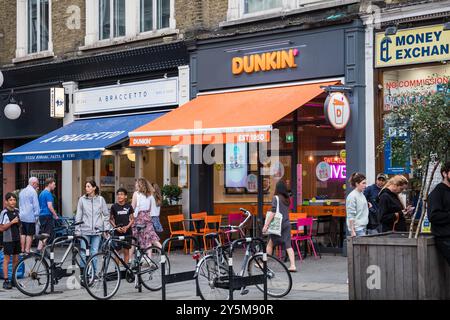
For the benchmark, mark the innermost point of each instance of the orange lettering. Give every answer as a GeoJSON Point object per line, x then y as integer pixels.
{"type": "Point", "coordinates": [249, 63]}
{"type": "Point", "coordinates": [260, 62]}
{"type": "Point", "coordinates": [237, 65]}
{"type": "Point", "coordinates": [271, 64]}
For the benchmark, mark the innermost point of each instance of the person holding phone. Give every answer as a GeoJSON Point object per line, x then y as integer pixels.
{"type": "Point", "coordinates": [391, 209]}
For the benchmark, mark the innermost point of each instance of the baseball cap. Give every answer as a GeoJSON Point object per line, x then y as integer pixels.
{"type": "Point", "coordinates": [382, 176]}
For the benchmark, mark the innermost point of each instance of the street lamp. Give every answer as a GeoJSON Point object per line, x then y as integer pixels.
{"type": "Point", "coordinates": [12, 109]}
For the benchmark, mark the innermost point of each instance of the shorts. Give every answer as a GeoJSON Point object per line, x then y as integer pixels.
{"type": "Point", "coordinates": [47, 225]}
{"type": "Point", "coordinates": [28, 228]}
{"type": "Point", "coordinates": [123, 244]}
{"type": "Point", "coordinates": [11, 248]}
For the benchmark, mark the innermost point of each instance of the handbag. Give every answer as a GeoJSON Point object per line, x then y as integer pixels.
{"type": "Point", "coordinates": [275, 225]}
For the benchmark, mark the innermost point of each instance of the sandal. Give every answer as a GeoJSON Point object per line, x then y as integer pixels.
{"type": "Point", "coordinates": [292, 270]}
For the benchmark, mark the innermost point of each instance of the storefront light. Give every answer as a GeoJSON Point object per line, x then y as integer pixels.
{"type": "Point", "coordinates": [174, 149]}
{"type": "Point", "coordinates": [311, 158]}
{"type": "Point", "coordinates": [131, 157]}
{"type": "Point", "coordinates": [339, 142]}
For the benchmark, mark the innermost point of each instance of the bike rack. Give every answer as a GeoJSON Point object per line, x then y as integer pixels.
{"type": "Point", "coordinates": [238, 282]}
{"type": "Point", "coordinates": [60, 240]}
{"type": "Point", "coordinates": [175, 277]}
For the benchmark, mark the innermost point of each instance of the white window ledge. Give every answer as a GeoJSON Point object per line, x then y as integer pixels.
{"type": "Point", "coordinates": [122, 40]}
{"type": "Point", "coordinates": [264, 15]}
{"type": "Point", "coordinates": [34, 56]}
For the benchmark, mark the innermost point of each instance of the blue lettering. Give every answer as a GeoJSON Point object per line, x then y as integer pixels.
{"type": "Point", "coordinates": [398, 54]}
{"type": "Point", "coordinates": [444, 48]}
{"type": "Point", "coordinates": [408, 53]}
{"type": "Point", "coordinates": [437, 34]}
{"type": "Point", "coordinates": [426, 51]}
{"type": "Point", "coordinates": [429, 37]}
{"type": "Point", "coordinates": [419, 37]}
{"type": "Point", "coordinates": [410, 39]}
{"type": "Point", "coordinates": [416, 52]}
{"type": "Point", "coordinates": [435, 51]}
{"type": "Point", "coordinates": [400, 41]}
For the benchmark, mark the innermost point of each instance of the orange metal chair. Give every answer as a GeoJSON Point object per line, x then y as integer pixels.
{"type": "Point", "coordinates": [215, 220]}
{"type": "Point", "coordinates": [174, 220]}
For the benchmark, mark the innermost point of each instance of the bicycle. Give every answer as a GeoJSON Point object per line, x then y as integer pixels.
{"type": "Point", "coordinates": [38, 266]}
{"type": "Point", "coordinates": [102, 283]}
{"type": "Point", "coordinates": [212, 270]}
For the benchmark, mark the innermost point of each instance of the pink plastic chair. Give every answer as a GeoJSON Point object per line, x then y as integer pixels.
{"type": "Point", "coordinates": [308, 223]}
{"type": "Point", "coordinates": [234, 219]}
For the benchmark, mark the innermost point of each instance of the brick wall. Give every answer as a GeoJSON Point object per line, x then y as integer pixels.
{"type": "Point", "coordinates": [7, 31]}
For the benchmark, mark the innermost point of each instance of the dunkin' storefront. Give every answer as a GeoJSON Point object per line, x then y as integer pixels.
{"type": "Point", "coordinates": [276, 105]}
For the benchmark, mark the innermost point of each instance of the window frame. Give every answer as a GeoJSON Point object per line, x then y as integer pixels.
{"type": "Point", "coordinates": [38, 29]}
{"type": "Point", "coordinates": [155, 29]}
{"type": "Point", "coordinates": [112, 22]}
{"type": "Point", "coordinates": [244, 15]}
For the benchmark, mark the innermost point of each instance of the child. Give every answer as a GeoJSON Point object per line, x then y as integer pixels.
{"type": "Point", "coordinates": [122, 216]}
{"type": "Point", "coordinates": [9, 225]}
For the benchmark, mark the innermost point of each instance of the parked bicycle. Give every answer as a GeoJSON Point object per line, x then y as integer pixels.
{"type": "Point", "coordinates": [103, 274]}
{"type": "Point", "coordinates": [212, 270]}
{"type": "Point", "coordinates": [38, 265]}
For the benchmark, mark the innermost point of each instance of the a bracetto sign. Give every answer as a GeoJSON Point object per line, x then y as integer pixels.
{"type": "Point", "coordinates": [410, 46]}
{"type": "Point", "coordinates": [266, 61]}
{"type": "Point", "coordinates": [127, 96]}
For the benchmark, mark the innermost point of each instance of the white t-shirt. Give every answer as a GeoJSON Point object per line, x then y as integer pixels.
{"type": "Point", "coordinates": [155, 210]}
{"type": "Point", "coordinates": [143, 203]}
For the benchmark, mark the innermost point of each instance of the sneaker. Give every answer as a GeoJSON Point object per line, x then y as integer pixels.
{"type": "Point", "coordinates": [7, 285]}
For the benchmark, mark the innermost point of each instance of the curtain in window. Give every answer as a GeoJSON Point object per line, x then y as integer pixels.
{"type": "Point", "coordinates": [44, 25]}
{"type": "Point", "coordinates": [119, 18]}
{"type": "Point", "coordinates": [251, 6]}
{"type": "Point", "coordinates": [32, 26]}
{"type": "Point", "coordinates": [104, 19]}
{"type": "Point", "coordinates": [146, 15]}
{"type": "Point", "coordinates": [163, 13]}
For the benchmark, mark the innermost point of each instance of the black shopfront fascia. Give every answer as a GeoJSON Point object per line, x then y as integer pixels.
{"type": "Point", "coordinates": [324, 53]}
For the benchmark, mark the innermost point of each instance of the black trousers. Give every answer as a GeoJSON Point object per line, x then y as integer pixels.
{"type": "Point", "coordinates": [443, 246]}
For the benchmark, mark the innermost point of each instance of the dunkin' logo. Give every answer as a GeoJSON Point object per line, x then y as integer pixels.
{"type": "Point", "coordinates": [274, 60]}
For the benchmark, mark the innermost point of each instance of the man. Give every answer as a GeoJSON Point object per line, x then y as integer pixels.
{"type": "Point", "coordinates": [47, 212]}
{"type": "Point", "coordinates": [371, 194]}
{"type": "Point", "coordinates": [439, 212]}
{"type": "Point", "coordinates": [28, 213]}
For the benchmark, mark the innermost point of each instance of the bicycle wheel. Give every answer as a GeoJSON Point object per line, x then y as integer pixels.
{"type": "Point", "coordinates": [210, 274]}
{"type": "Point", "coordinates": [149, 272]}
{"type": "Point", "coordinates": [102, 276]}
{"type": "Point", "coordinates": [32, 275]}
{"type": "Point", "coordinates": [279, 280]}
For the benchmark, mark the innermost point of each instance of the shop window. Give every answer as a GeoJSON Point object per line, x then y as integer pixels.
{"type": "Point", "coordinates": [127, 173]}
{"type": "Point", "coordinates": [87, 173]}
{"type": "Point", "coordinates": [38, 18]}
{"type": "Point", "coordinates": [107, 178]}
{"type": "Point", "coordinates": [111, 19]}
{"type": "Point", "coordinates": [154, 14]}
{"type": "Point", "coordinates": [153, 166]}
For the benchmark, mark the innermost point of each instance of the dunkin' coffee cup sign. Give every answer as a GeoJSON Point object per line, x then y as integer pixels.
{"type": "Point", "coordinates": [337, 109]}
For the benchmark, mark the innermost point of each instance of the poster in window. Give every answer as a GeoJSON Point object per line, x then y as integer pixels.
{"type": "Point", "coordinates": [236, 165]}
{"type": "Point", "coordinates": [396, 151]}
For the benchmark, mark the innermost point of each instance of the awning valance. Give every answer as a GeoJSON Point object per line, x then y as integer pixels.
{"type": "Point", "coordinates": [81, 139]}
{"type": "Point", "coordinates": [226, 117]}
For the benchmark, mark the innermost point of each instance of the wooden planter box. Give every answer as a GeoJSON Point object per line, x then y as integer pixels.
{"type": "Point", "coordinates": [409, 269]}
{"type": "Point", "coordinates": [165, 212]}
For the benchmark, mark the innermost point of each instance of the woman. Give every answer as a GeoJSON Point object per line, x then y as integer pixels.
{"type": "Point", "coordinates": [156, 201]}
{"type": "Point", "coordinates": [357, 207]}
{"type": "Point", "coordinates": [281, 198]}
{"type": "Point", "coordinates": [141, 204]}
{"type": "Point", "coordinates": [391, 209]}
{"type": "Point", "coordinates": [94, 213]}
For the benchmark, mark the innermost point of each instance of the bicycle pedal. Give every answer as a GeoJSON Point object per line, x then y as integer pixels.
{"type": "Point", "coordinates": [244, 292]}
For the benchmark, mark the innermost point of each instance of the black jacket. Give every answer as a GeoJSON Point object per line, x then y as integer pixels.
{"type": "Point", "coordinates": [371, 194]}
{"type": "Point", "coordinates": [388, 205]}
{"type": "Point", "coordinates": [439, 210]}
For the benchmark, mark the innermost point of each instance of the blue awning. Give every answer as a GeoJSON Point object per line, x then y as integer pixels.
{"type": "Point", "coordinates": [81, 139]}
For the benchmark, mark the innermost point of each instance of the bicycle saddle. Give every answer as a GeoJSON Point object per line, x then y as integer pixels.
{"type": "Point", "coordinates": [42, 236]}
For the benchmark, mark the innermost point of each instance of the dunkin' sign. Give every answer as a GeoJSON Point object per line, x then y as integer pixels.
{"type": "Point", "coordinates": [337, 110]}
{"type": "Point", "coordinates": [266, 61]}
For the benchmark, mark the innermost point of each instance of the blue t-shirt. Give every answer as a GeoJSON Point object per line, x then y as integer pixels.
{"type": "Point", "coordinates": [45, 197]}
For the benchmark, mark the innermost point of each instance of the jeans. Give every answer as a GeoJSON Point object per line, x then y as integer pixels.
{"type": "Point", "coordinates": [372, 231]}
{"type": "Point", "coordinates": [94, 243]}
{"type": "Point", "coordinates": [361, 232]}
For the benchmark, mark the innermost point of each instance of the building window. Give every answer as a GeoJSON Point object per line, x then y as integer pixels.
{"type": "Point", "coordinates": [111, 19]}
{"type": "Point", "coordinates": [38, 12]}
{"type": "Point", "coordinates": [252, 6]}
{"type": "Point", "coordinates": [154, 15]}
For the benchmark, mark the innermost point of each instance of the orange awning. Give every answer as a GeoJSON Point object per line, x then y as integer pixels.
{"type": "Point", "coordinates": [228, 117]}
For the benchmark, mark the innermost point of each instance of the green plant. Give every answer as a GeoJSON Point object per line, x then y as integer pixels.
{"type": "Point", "coordinates": [425, 125]}
{"type": "Point", "coordinates": [171, 193]}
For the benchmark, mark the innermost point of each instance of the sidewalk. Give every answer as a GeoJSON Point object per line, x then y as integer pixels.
{"type": "Point", "coordinates": [321, 279]}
